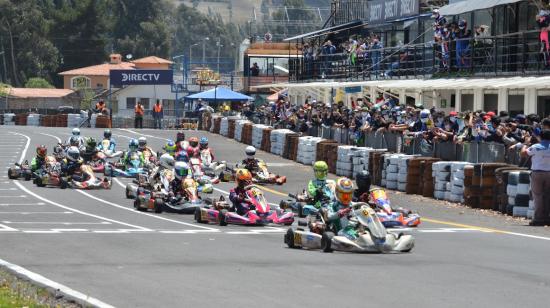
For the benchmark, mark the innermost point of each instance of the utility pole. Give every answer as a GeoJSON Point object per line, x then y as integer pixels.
{"type": "Point", "coordinates": [204, 50]}
{"type": "Point", "coordinates": [3, 53]}
{"type": "Point", "coordinates": [219, 47]}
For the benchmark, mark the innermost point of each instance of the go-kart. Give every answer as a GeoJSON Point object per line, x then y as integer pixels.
{"type": "Point", "coordinates": [50, 175]}
{"type": "Point", "coordinates": [390, 217]}
{"type": "Point", "coordinates": [98, 161]}
{"type": "Point", "coordinates": [260, 176]}
{"type": "Point", "coordinates": [205, 182]}
{"type": "Point", "coordinates": [104, 147]}
{"type": "Point", "coordinates": [20, 171]}
{"type": "Point", "coordinates": [120, 169]}
{"type": "Point", "coordinates": [303, 205]}
{"type": "Point", "coordinates": [91, 182]}
{"type": "Point", "coordinates": [209, 167]}
{"type": "Point", "coordinates": [258, 212]}
{"type": "Point", "coordinates": [188, 202]}
{"type": "Point", "coordinates": [155, 197]}
{"type": "Point", "coordinates": [372, 236]}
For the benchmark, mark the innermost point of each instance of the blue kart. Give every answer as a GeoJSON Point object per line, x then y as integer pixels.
{"type": "Point", "coordinates": [131, 170]}
{"type": "Point", "coordinates": [303, 205]}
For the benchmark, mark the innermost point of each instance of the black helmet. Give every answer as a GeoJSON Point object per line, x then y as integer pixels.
{"type": "Point", "coordinates": [363, 181]}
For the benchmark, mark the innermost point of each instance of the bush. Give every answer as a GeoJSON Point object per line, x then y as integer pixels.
{"type": "Point", "coordinates": [37, 82]}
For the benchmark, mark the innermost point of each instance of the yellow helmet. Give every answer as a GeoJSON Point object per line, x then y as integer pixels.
{"type": "Point", "coordinates": [344, 190]}
{"type": "Point", "coordinates": [243, 177]}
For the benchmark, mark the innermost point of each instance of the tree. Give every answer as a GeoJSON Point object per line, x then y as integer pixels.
{"type": "Point", "coordinates": [37, 82]}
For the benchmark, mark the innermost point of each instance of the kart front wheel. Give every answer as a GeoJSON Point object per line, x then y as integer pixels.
{"type": "Point", "coordinates": [63, 184]}
{"type": "Point", "coordinates": [221, 217]}
{"type": "Point", "coordinates": [326, 242]}
{"type": "Point", "coordinates": [11, 175]}
{"type": "Point", "coordinates": [289, 238]}
{"type": "Point", "coordinates": [300, 210]}
{"type": "Point", "coordinates": [198, 218]}
{"type": "Point", "coordinates": [158, 205]}
{"type": "Point", "coordinates": [128, 193]}
{"type": "Point", "coordinates": [138, 207]}
{"type": "Point", "coordinates": [39, 182]}
{"type": "Point", "coordinates": [28, 176]}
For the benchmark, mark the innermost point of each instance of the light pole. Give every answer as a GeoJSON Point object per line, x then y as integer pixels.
{"type": "Point", "coordinates": [204, 50]}
{"type": "Point", "coordinates": [4, 62]}
{"type": "Point", "coordinates": [191, 53]}
{"type": "Point", "coordinates": [219, 47]}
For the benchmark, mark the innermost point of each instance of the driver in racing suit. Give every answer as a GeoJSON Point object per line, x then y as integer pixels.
{"type": "Point", "coordinates": [237, 195]}
{"type": "Point", "coordinates": [182, 172]}
{"type": "Point", "coordinates": [132, 149]}
{"type": "Point", "coordinates": [363, 181]}
{"type": "Point", "coordinates": [193, 148]}
{"type": "Point", "coordinates": [146, 150]}
{"type": "Point", "coordinates": [203, 146]}
{"type": "Point", "coordinates": [72, 163]}
{"type": "Point", "coordinates": [251, 163]}
{"type": "Point", "coordinates": [107, 135]}
{"type": "Point", "coordinates": [316, 188]}
{"type": "Point", "coordinates": [89, 150]}
{"type": "Point", "coordinates": [76, 134]}
{"type": "Point", "coordinates": [339, 211]}
{"type": "Point", "coordinates": [39, 160]}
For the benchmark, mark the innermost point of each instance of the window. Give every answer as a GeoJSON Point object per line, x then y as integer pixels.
{"type": "Point", "coordinates": [130, 102]}
{"type": "Point", "coordinates": [99, 86]}
{"type": "Point", "coordinates": [168, 104]}
{"type": "Point", "coordinates": [81, 82]}
{"type": "Point", "coordinates": [145, 102]}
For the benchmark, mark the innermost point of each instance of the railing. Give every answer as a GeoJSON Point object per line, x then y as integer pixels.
{"type": "Point", "coordinates": [345, 11]}
{"type": "Point", "coordinates": [512, 54]}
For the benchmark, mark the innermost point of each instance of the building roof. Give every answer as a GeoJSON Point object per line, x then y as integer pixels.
{"type": "Point", "coordinates": [98, 70]}
{"type": "Point", "coordinates": [152, 60]}
{"type": "Point", "coordinates": [38, 93]}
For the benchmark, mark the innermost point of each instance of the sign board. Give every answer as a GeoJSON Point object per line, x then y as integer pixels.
{"type": "Point", "coordinates": [140, 77]}
{"type": "Point", "coordinates": [357, 89]}
{"type": "Point", "coordinates": [388, 10]}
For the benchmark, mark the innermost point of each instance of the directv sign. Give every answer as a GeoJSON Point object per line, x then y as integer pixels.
{"type": "Point", "coordinates": [388, 10]}
{"type": "Point", "coordinates": [140, 77]}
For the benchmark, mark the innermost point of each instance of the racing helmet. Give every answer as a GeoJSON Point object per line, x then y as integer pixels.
{"type": "Point", "coordinates": [181, 169]}
{"type": "Point", "coordinates": [133, 145]}
{"type": "Point", "coordinates": [203, 143]}
{"type": "Point", "coordinates": [58, 152]}
{"type": "Point", "coordinates": [344, 190]}
{"type": "Point", "coordinates": [320, 168]}
{"type": "Point", "coordinates": [76, 131]}
{"type": "Point", "coordinates": [243, 177]}
{"type": "Point", "coordinates": [90, 144]}
{"type": "Point", "coordinates": [41, 151]}
{"type": "Point", "coordinates": [170, 147]}
{"type": "Point", "coordinates": [73, 154]}
{"type": "Point", "coordinates": [435, 13]}
{"type": "Point", "coordinates": [167, 161]}
{"type": "Point", "coordinates": [180, 137]}
{"type": "Point", "coordinates": [363, 181]}
{"type": "Point", "coordinates": [250, 151]}
{"type": "Point", "coordinates": [74, 141]}
{"type": "Point", "coordinates": [107, 134]}
{"type": "Point", "coordinates": [142, 143]}
{"type": "Point", "coordinates": [194, 142]}
{"type": "Point", "coordinates": [182, 156]}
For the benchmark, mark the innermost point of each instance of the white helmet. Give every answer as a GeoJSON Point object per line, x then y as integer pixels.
{"type": "Point", "coordinates": [76, 131]}
{"type": "Point", "coordinates": [167, 161]}
{"type": "Point", "coordinates": [250, 150]}
{"type": "Point", "coordinates": [142, 142]}
{"type": "Point", "coordinates": [181, 169]}
{"type": "Point", "coordinates": [73, 154]}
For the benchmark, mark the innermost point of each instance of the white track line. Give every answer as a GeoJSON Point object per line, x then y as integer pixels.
{"type": "Point", "coordinates": [145, 213]}
{"type": "Point", "coordinates": [141, 134]}
{"type": "Point", "coordinates": [24, 153]}
{"type": "Point", "coordinates": [52, 284]}
{"type": "Point", "coordinates": [57, 138]}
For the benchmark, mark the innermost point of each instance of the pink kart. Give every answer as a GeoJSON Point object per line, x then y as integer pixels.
{"type": "Point", "coordinates": [258, 212]}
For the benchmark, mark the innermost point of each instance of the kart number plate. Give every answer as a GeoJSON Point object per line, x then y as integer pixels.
{"type": "Point", "coordinates": [297, 237]}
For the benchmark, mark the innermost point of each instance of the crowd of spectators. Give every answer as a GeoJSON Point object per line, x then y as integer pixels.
{"type": "Point", "coordinates": [385, 114]}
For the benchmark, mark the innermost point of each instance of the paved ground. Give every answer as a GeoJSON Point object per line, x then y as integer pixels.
{"type": "Point", "coordinates": [95, 243]}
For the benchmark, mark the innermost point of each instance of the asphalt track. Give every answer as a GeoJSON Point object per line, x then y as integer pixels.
{"type": "Point", "coordinates": [97, 248]}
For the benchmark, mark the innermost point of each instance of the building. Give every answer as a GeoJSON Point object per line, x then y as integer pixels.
{"type": "Point", "coordinates": [39, 99]}
{"type": "Point", "coordinates": [94, 77]}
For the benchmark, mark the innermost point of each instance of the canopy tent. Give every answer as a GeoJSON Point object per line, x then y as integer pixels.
{"type": "Point", "coordinates": [220, 94]}
{"type": "Point", "coordinates": [466, 6]}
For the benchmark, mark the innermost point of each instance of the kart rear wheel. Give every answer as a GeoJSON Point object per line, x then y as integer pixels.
{"type": "Point", "coordinates": [137, 207]}
{"type": "Point", "coordinates": [39, 182]}
{"type": "Point", "coordinates": [28, 176]}
{"type": "Point", "coordinates": [198, 218]}
{"type": "Point", "coordinates": [289, 238]}
{"type": "Point", "coordinates": [158, 205]}
{"type": "Point", "coordinates": [300, 210]}
{"type": "Point", "coordinates": [11, 175]}
{"type": "Point", "coordinates": [326, 242]}
{"type": "Point", "coordinates": [128, 195]}
{"type": "Point", "coordinates": [63, 184]}
{"type": "Point", "coordinates": [221, 217]}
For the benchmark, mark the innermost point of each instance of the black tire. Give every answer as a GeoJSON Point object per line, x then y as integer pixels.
{"type": "Point", "coordinates": [158, 206]}
{"type": "Point", "coordinates": [137, 207]}
{"type": "Point", "coordinates": [63, 184]}
{"type": "Point", "coordinates": [10, 175]}
{"type": "Point", "coordinates": [39, 182]}
{"type": "Point", "coordinates": [289, 238]}
{"type": "Point", "coordinates": [128, 196]}
{"type": "Point", "coordinates": [222, 218]}
{"type": "Point", "coordinates": [326, 242]}
{"type": "Point", "coordinates": [198, 218]}
{"type": "Point", "coordinates": [28, 176]}
{"type": "Point", "coordinates": [300, 210]}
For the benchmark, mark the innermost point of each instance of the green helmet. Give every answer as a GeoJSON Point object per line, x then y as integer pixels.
{"type": "Point", "coordinates": [321, 169]}
{"type": "Point", "coordinates": [90, 143]}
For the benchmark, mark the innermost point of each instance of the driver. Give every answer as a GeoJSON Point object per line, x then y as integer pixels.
{"type": "Point", "coordinates": [182, 172]}
{"type": "Point", "coordinates": [76, 133]}
{"type": "Point", "coordinates": [89, 150]}
{"type": "Point", "coordinates": [251, 163]}
{"type": "Point", "coordinates": [193, 148]}
{"type": "Point", "coordinates": [132, 149]}
{"type": "Point", "coordinates": [181, 143]}
{"type": "Point", "coordinates": [237, 195]}
{"type": "Point", "coordinates": [107, 135]}
{"type": "Point", "coordinates": [146, 150]}
{"type": "Point", "coordinates": [203, 146]}
{"type": "Point", "coordinates": [170, 148]}
{"type": "Point", "coordinates": [363, 181]}
{"type": "Point", "coordinates": [72, 163]}
{"type": "Point", "coordinates": [59, 152]}
{"type": "Point", "coordinates": [39, 160]}
{"type": "Point", "coordinates": [182, 156]}
{"type": "Point", "coordinates": [316, 188]}
{"type": "Point", "coordinates": [339, 211]}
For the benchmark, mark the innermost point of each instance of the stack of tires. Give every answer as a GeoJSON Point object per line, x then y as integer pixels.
{"type": "Point", "coordinates": [239, 124]}
{"type": "Point", "coordinates": [231, 128]}
{"type": "Point", "coordinates": [457, 182]}
{"type": "Point", "coordinates": [307, 149]}
{"type": "Point", "coordinates": [33, 119]}
{"type": "Point", "coordinates": [224, 127]}
{"type": "Point", "coordinates": [427, 178]}
{"type": "Point", "coordinates": [441, 171]}
{"type": "Point", "coordinates": [266, 139]}
{"type": "Point", "coordinates": [290, 149]}
{"type": "Point", "coordinates": [484, 182]}
{"type": "Point", "coordinates": [518, 193]}
{"type": "Point", "coordinates": [246, 135]}
{"type": "Point", "coordinates": [403, 170]}
{"type": "Point", "coordinates": [344, 163]}
{"type": "Point", "coordinates": [415, 174]}
{"type": "Point", "coordinates": [277, 138]}
{"type": "Point", "coordinates": [501, 187]}
{"type": "Point", "coordinates": [257, 135]}
{"type": "Point", "coordinates": [390, 173]}
{"type": "Point", "coordinates": [360, 160]}
{"type": "Point", "coordinates": [9, 118]}
{"type": "Point", "coordinates": [217, 124]}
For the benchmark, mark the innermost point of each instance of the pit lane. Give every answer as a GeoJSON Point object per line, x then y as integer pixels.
{"type": "Point", "coordinates": [96, 243]}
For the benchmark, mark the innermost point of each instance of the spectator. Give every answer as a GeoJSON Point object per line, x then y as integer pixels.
{"type": "Point", "coordinates": [255, 70]}
{"type": "Point", "coordinates": [138, 115]}
{"type": "Point", "coordinates": [100, 107]}
{"type": "Point", "coordinates": [158, 114]}
{"type": "Point", "coordinates": [462, 44]}
{"type": "Point", "coordinates": [543, 21]}
{"type": "Point", "coordinates": [540, 178]}
{"type": "Point", "coordinates": [375, 53]}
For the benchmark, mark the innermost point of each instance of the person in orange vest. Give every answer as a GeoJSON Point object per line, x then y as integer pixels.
{"type": "Point", "coordinates": [100, 107]}
{"type": "Point", "coordinates": [158, 114]}
{"type": "Point", "coordinates": [139, 111]}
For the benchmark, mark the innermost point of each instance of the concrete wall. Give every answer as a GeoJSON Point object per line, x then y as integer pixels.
{"type": "Point", "coordinates": [43, 103]}
{"type": "Point", "coordinates": [150, 91]}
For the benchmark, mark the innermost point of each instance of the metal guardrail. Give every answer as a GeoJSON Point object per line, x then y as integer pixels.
{"type": "Point", "coordinates": [504, 55]}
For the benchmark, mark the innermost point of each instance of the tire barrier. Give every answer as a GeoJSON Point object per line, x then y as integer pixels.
{"type": "Point", "coordinates": [258, 135]}
{"type": "Point", "coordinates": [344, 162]}
{"type": "Point", "coordinates": [441, 172]}
{"type": "Point", "coordinates": [8, 119]}
{"type": "Point", "coordinates": [457, 182]}
{"type": "Point", "coordinates": [33, 119]}
{"type": "Point", "coordinates": [266, 139]}
{"type": "Point", "coordinates": [231, 128]}
{"type": "Point", "coordinates": [246, 134]}
{"type": "Point", "coordinates": [278, 139]}
{"type": "Point", "coordinates": [327, 150]}
{"type": "Point", "coordinates": [501, 187]}
{"type": "Point", "coordinates": [518, 193]}
{"type": "Point", "coordinates": [239, 124]}
{"type": "Point", "coordinates": [307, 150]}
{"type": "Point", "coordinates": [290, 148]}
{"type": "Point", "coordinates": [403, 171]}
{"type": "Point", "coordinates": [224, 127]}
